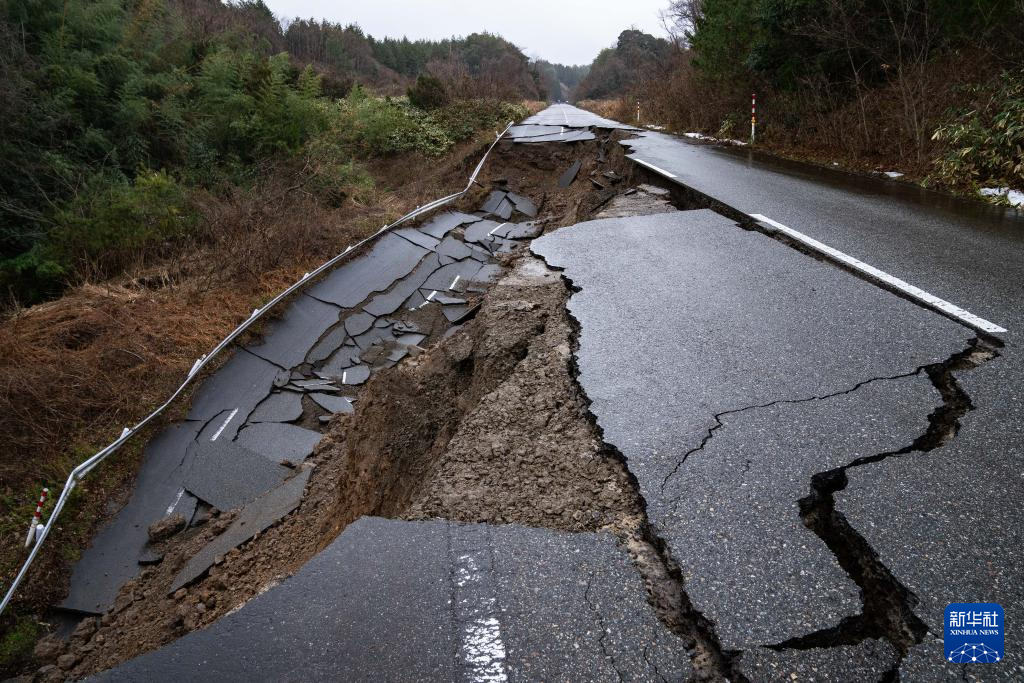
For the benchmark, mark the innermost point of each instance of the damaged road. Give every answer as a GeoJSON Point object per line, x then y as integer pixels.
{"type": "Point", "coordinates": [661, 446]}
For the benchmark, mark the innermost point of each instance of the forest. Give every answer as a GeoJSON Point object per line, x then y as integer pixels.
{"type": "Point", "coordinates": [934, 88]}
{"type": "Point", "coordinates": [119, 117]}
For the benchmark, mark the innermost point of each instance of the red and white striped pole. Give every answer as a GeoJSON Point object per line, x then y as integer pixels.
{"type": "Point", "coordinates": [36, 517]}
{"type": "Point", "coordinates": [753, 117]}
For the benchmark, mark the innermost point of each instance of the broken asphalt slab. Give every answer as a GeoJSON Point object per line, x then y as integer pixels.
{"type": "Point", "coordinates": [252, 519]}
{"type": "Point", "coordinates": [291, 336]}
{"type": "Point", "coordinates": [112, 558]}
{"type": "Point", "coordinates": [391, 600]}
{"type": "Point", "coordinates": [389, 259]}
{"type": "Point", "coordinates": [278, 442]}
{"type": "Point", "coordinates": [227, 475]}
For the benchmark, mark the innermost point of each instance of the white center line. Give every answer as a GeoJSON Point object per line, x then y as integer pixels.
{"type": "Point", "coordinates": [344, 376]}
{"type": "Point", "coordinates": [230, 417]}
{"type": "Point", "coordinates": [929, 300]}
{"type": "Point", "coordinates": [430, 297]}
{"type": "Point", "coordinates": [654, 168]}
{"type": "Point", "coordinates": [455, 281]}
{"type": "Point", "coordinates": [497, 227]}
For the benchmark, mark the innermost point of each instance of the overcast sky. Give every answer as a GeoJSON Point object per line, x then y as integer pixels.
{"type": "Point", "coordinates": [562, 31]}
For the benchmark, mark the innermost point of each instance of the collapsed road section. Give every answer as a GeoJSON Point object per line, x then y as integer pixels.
{"type": "Point", "coordinates": [666, 470]}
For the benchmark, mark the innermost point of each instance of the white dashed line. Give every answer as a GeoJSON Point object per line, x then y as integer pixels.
{"type": "Point", "coordinates": [913, 292]}
{"type": "Point", "coordinates": [497, 227]}
{"type": "Point", "coordinates": [170, 508]}
{"type": "Point", "coordinates": [230, 417]}
{"type": "Point", "coordinates": [655, 168]}
{"type": "Point", "coordinates": [454, 282]}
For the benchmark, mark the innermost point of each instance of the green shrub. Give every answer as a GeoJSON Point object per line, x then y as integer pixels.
{"type": "Point", "coordinates": [428, 93]}
{"type": "Point", "coordinates": [985, 146]}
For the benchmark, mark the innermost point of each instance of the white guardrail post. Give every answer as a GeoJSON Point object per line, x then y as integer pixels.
{"type": "Point", "coordinates": [85, 467]}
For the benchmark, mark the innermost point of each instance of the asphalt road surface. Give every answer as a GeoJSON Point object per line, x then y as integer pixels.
{"type": "Point", "coordinates": [829, 464]}
{"type": "Point", "coordinates": [742, 368]}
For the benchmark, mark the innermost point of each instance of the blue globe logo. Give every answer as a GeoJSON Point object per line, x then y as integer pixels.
{"type": "Point", "coordinates": [977, 652]}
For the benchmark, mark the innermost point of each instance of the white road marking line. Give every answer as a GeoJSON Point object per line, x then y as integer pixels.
{"type": "Point", "coordinates": [913, 292]}
{"type": "Point", "coordinates": [455, 281]}
{"type": "Point", "coordinates": [170, 508]}
{"type": "Point", "coordinates": [344, 376]}
{"type": "Point", "coordinates": [497, 227]}
{"type": "Point", "coordinates": [431, 296]}
{"type": "Point", "coordinates": [230, 417]}
{"type": "Point", "coordinates": [654, 168]}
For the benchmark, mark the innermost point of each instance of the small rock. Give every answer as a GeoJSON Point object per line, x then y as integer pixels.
{"type": "Point", "coordinates": [67, 661]}
{"type": "Point", "coordinates": [48, 649]}
{"type": "Point", "coordinates": [166, 527]}
{"type": "Point", "coordinates": [180, 594]}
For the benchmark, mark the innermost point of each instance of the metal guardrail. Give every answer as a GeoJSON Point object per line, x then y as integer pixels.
{"type": "Point", "coordinates": [85, 467]}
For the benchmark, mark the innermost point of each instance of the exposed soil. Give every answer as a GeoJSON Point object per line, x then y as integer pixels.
{"type": "Point", "coordinates": [489, 425]}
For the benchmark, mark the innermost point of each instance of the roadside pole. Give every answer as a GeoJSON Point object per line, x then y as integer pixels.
{"type": "Point", "coordinates": [638, 111]}
{"type": "Point", "coordinates": [753, 117]}
{"type": "Point", "coordinates": [33, 531]}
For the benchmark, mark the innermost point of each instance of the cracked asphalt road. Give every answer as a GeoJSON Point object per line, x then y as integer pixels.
{"type": "Point", "coordinates": [416, 601]}
{"type": "Point", "coordinates": [791, 429]}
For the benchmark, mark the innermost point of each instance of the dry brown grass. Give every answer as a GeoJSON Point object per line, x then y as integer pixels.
{"type": "Point", "coordinates": [74, 371]}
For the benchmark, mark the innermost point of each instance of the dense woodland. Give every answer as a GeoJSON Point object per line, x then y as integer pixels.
{"type": "Point", "coordinates": [933, 87]}
{"type": "Point", "coordinates": [118, 112]}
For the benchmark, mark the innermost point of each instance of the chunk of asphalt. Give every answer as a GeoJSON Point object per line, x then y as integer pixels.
{"type": "Point", "coordinates": [373, 336]}
{"type": "Point", "coordinates": [451, 249]}
{"type": "Point", "coordinates": [284, 406]}
{"type": "Point", "coordinates": [112, 557]}
{"type": "Point", "coordinates": [327, 345]}
{"type": "Point", "coordinates": [570, 174]}
{"type": "Point", "coordinates": [388, 260]}
{"type": "Point", "coordinates": [320, 384]}
{"type": "Point", "coordinates": [523, 205]}
{"type": "Point", "coordinates": [482, 232]}
{"type": "Point", "coordinates": [398, 353]}
{"type": "Point", "coordinates": [345, 357]}
{"type": "Point", "coordinates": [446, 300]}
{"type": "Point", "coordinates": [444, 279]}
{"type": "Point", "coordinates": [404, 326]}
{"type": "Point", "coordinates": [504, 210]}
{"type": "Point", "coordinates": [474, 603]}
{"type": "Point", "coordinates": [279, 442]}
{"type": "Point", "coordinates": [519, 231]}
{"type": "Point", "coordinates": [334, 404]}
{"type": "Point", "coordinates": [356, 375]}
{"type": "Point", "coordinates": [292, 335]}
{"type": "Point", "coordinates": [241, 383]}
{"type": "Point", "coordinates": [252, 519]}
{"type": "Point", "coordinates": [358, 323]}
{"type": "Point", "coordinates": [227, 475]}
{"type": "Point", "coordinates": [458, 314]}
{"type": "Point", "coordinates": [494, 201]}
{"type": "Point", "coordinates": [444, 223]}
{"type": "Point", "coordinates": [489, 272]}
{"type": "Point", "coordinates": [282, 378]}
{"type": "Point", "coordinates": [410, 339]}
{"type": "Point", "coordinates": [390, 301]}
{"type": "Point", "coordinates": [419, 238]}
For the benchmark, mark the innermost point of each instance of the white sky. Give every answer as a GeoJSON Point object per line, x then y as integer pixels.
{"type": "Point", "coordinates": [562, 31]}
